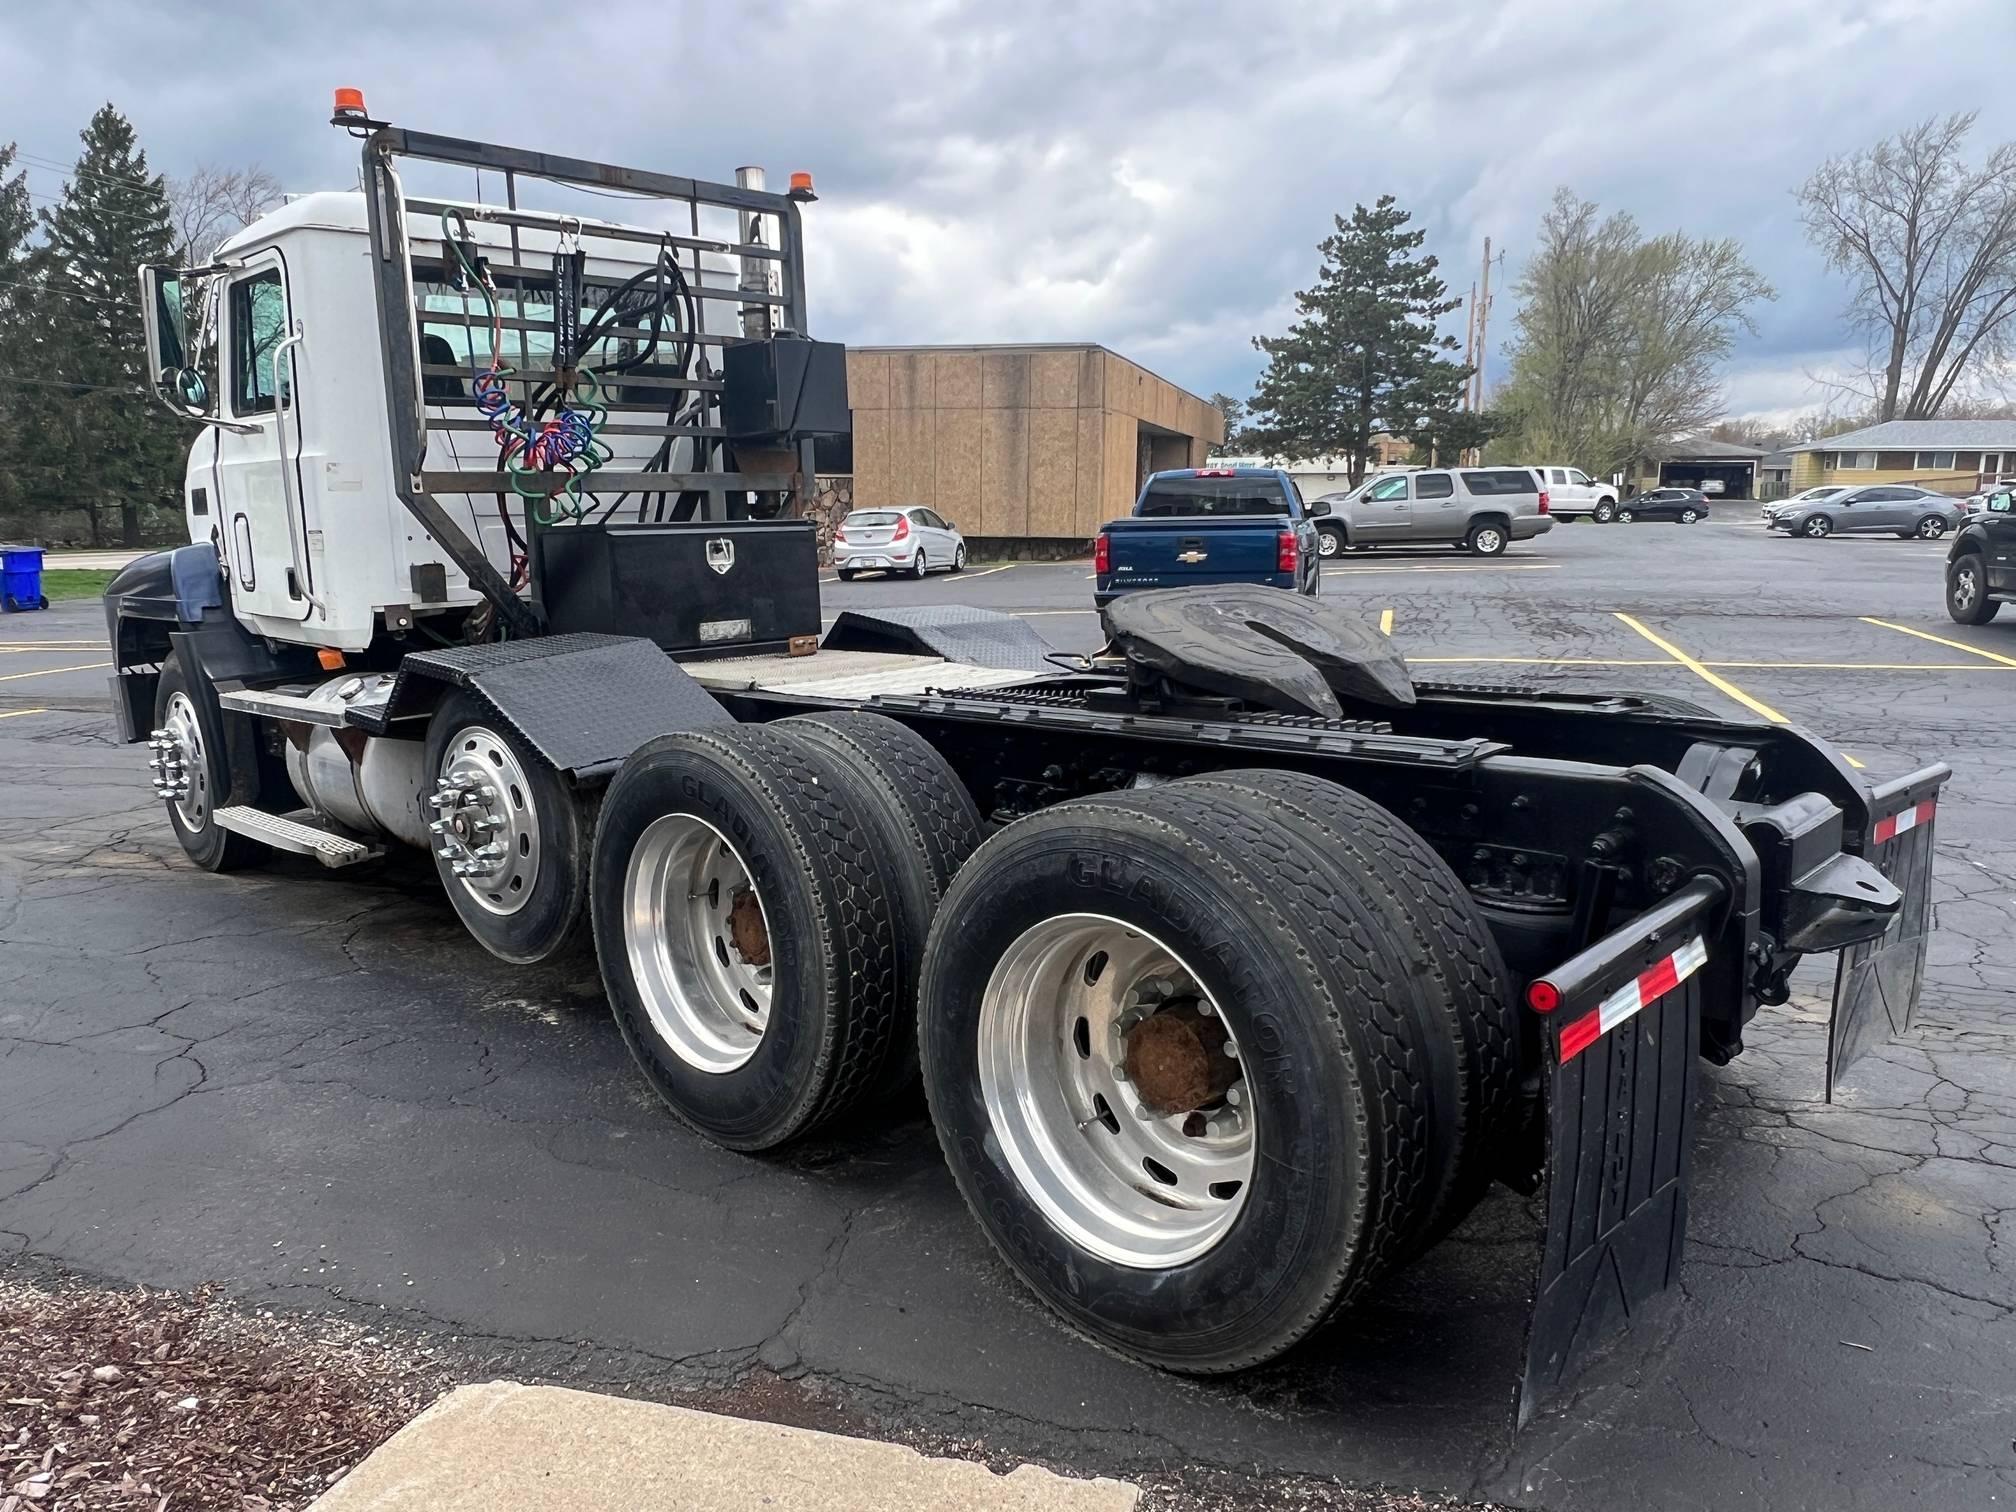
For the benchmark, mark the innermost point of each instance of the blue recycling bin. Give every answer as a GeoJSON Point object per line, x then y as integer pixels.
{"type": "Point", "coordinates": [21, 579]}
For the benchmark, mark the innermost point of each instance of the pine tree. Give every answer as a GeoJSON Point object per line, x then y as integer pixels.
{"type": "Point", "coordinates": [17, 222]}
{"type": "Point", "coordinates": [1366, 356]}
{"type": "Point", "coordinates": [1234, 411]}
{"type": "Point", "coordinates": [99, 441]}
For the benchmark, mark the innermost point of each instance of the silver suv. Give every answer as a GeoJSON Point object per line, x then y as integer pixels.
{"type": "Point", "coordinates": [1481, 509]}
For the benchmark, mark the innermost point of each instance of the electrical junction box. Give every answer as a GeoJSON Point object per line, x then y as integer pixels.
{"type": "Point", "coordinates": [784, 389]}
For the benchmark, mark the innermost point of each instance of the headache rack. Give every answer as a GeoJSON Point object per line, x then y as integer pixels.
{"type": "Point", "coordinates": [701, 409]}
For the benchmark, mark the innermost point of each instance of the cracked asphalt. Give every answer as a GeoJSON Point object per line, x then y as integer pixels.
{"type": "Point", "coordinates": [312, 1088]}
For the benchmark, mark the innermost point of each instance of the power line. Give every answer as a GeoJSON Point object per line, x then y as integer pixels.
{"type": "Point", "coordinates": [96, 388]}
{"type": "Point", "coordinates": [43, 288]}
{"type": "Point", "coordinates": [56, 165]}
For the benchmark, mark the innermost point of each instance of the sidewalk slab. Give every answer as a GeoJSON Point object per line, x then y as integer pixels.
{"type": "Point", "coordinates": [505, 1446]}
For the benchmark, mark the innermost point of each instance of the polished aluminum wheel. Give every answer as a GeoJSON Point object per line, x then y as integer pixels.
{"type": "Point", "coordinates": [698, 939]}
{"type": "Point", "coordinates": [1116, 1090]}
{"type": "Point", "coordinates": [486, 822]}
{"type": "Point", "coordinates": [181, 772]}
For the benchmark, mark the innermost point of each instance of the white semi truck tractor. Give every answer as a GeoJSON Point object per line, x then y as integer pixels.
{"type": "Point", "coordinates": [1236, 964]}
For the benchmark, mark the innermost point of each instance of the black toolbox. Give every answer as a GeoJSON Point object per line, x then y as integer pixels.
{"type": "Point", "coordinates": [740, 586]}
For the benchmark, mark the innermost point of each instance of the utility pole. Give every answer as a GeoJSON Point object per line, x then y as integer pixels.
{"type": "Point", "coordinates": [1483, 329]}
{"type": "Point", "coordinates": [1469, 361]}
{"type": "Point", "coordinates": [1470, 349]}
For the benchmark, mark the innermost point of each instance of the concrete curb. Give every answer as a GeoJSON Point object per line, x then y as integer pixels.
{"type": "Point", "coordinates": [506, 1446]}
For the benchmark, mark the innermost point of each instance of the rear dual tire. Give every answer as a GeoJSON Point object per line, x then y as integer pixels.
{"type": "Point", "coordinates": [1370, 1105]}
{"type": "Point", "coordinates": [761, 898]}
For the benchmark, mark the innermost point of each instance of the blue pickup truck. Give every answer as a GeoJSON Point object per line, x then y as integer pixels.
{"type": "Point", "coordinates": [1205, 525]}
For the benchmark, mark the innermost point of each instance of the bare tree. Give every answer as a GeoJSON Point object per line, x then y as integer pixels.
{"type": "Point", "coordinates": [211, 203]}
{"type": "Point", "coordinates": [1619, 339]}
{"type": "Point", "coordinates": [1930, 246]}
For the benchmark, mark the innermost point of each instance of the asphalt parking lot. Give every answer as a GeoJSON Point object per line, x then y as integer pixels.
{"type": "Point", "coordinates": [316, 1091]}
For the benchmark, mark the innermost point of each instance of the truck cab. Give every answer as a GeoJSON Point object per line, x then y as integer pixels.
{"type": "Point", "coordinates": [1204, 526]}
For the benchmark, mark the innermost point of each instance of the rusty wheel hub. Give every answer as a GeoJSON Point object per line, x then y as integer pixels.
{"type": "Point", "coordinates": [1175, 1059]}
{"type": "Point", "coordinates": [746, 930]}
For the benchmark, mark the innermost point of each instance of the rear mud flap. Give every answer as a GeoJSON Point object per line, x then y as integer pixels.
{"type": "Point", "coordinates": [1621, 1043]}
{"type": "Point", "coordinates": [1876, 983]}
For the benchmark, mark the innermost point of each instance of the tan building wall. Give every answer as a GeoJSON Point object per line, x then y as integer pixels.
{"type": "Point", "coordinates": [1035, 443]}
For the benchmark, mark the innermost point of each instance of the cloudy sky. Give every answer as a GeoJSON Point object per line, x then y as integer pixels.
{"type": "Point", "coordinates": [1152, 176]}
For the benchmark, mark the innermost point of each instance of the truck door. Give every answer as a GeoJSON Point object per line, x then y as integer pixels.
{"type": "Point", "coordinates": [1998, 526]}
{"type": "Point", "coordinates": [256, 352]}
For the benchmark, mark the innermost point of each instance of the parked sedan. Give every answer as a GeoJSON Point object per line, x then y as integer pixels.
{"type": "Point", "coordinates": [911, 540]}
{"type": "Point", "coordinates": [1879, 509]}
{"type": "Point", "coordinates": [1687, 505]}
{"type": "Point", "coordinates": [1804, 496]}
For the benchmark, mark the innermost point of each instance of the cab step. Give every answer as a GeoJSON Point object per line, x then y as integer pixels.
{"type": "Point", "coordinates": [302, 834]}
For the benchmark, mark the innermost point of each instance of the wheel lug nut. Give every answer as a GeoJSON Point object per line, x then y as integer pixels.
{"type": "Point", "coordinates": [1234, 1096]}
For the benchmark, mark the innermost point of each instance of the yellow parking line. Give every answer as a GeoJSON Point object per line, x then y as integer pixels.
{"type": "Point", "coordinates": [1940, 640]}
{"type": "Point", "coordinates": [1385, 621]}
{"type": "Point", "coordinates": [1853, 762]}
{"type": "Point", "coordinates": [52, 671]}
{"type": "Point", "coordinates": [1714, 680]}
{"type": "Point", "coordinates": [1853, 666]}
{"type": "Point", "coordinates": [1537, 661]}
{"type": "Point", "coordinates": [17, 713]}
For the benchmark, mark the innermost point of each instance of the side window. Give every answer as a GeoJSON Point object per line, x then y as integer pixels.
{"type": "Point", "coordinates": [1557, 474]}
{"type": "Point", "coordinates": [1576, 475]}
{"type": "Point", "coordinates": [927, 519]}
{"type": "Point", "coordinates": [1388, 489]}
{"type": "Point", "coordinates": [1433, 486]}
{"type": "Point", "coordinates": [258, 321]}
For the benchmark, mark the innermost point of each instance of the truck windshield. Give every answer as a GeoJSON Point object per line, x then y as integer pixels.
{"type": "Point", "coordinates": [1213, 496]}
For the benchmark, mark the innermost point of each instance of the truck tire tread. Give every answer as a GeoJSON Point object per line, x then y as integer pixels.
{"type": "Point", "coordinates": [842, 897]}
{"type": "Point", "coordinates": [925, 826]}
{"type": "Point", "coordinates": [1366, 1080]}
{"type": "Point", "coordinates": [1467, 987]}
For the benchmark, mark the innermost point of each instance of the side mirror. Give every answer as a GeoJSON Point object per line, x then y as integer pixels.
{"type": "Point", "coordinates": [1319, 506]}
{"type": "Point", "coordinates": [177, 382]}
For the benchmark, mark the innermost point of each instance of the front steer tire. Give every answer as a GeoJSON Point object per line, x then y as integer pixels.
{"type": "Point", "coordinates": [829, 941]}
{"type": "Point", "coordinates": [207, 844]}
{"type": "Point", "coordinates": [1967, 600]}
{"type": "Point", "coordinates": [1305, 983]}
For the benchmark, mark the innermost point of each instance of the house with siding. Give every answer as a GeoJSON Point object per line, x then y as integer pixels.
{"type": "Point", "coordinates": [1947, 456]}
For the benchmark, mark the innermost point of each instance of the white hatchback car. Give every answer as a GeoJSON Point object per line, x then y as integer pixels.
{"type": "Point", "coordinates": [910, 539]}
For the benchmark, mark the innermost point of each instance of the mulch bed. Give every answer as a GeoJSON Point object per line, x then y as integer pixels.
{"type": "Point", "coordinates": [158, 1401]}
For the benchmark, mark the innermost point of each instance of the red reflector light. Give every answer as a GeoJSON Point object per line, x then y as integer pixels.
{"type": "Point", "coordinates": [1102, 554]}
{"type": "Point", "coordinates": [1543, 997]}
{"type": "Point", "coordinates": [902, 532]}
{"type": "Point", "coordinates": [1288, 552]}
{"type": "Point", "coordinates": [1543, 501]}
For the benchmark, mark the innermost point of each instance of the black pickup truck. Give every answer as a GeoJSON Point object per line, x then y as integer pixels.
{"type": "Point", "coordinates": [1981, 564]}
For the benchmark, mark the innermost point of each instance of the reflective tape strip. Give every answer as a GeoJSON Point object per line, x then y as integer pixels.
{"type": "Point", "coordinates": [1649, 986]}
{"type": "Point", "coordinates": [1909, 819]}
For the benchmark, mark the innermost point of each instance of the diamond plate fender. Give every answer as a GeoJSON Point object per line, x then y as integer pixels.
{"type": "Point", "coordinates": [584, 702]}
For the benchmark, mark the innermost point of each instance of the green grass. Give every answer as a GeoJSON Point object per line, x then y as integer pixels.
{"type": "Point", "coordinates": [75, 583]}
